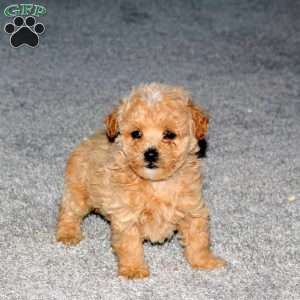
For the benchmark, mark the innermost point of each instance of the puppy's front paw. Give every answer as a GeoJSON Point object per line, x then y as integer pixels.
{"type": "Point", "coordinates": [69, 238]}
{"type": "Point", "coordinates": [207, 261]}
{"type": "Point", "coordinates": [134, 272]}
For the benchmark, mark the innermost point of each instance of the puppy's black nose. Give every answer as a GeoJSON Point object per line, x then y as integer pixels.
{"type": "Point", "coordinates": [151, 155]}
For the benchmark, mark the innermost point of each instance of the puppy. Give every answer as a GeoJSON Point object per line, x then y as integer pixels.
{"type": "Point", "coordinates": [142, 175]}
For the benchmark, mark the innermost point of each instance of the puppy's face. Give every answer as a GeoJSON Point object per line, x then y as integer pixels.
{"type": "Point", "coordinates": [157, 126]}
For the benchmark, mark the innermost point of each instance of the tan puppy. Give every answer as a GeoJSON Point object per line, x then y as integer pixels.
{"type": "Point", "coordinates": [144, 177]}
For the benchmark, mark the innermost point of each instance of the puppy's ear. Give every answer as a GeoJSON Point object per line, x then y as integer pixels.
{"type": "Point", "coordinates": [112, 126]}
{"type": "Point", "coordinates": [200, 120]}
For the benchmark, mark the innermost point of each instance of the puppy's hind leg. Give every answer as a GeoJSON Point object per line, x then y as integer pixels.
{"type": "Point", "coordinates": [73, 209]}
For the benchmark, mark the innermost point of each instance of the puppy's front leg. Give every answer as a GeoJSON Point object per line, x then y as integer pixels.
{"type": "Point", "coordinates": [194, 232]}
{"type": "Point", "coordinates": [128, 246]}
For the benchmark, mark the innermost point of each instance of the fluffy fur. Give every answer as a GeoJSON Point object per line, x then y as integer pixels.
{"type": "Point", "coordinates": [144, 200]}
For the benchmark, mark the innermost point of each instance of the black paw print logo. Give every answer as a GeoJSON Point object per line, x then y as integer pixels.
{"type": "Point", "coordinates": [24, 33]}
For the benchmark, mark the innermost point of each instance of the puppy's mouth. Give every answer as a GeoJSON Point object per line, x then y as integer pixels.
{"type": "Point", "coordinates": [151, 165]}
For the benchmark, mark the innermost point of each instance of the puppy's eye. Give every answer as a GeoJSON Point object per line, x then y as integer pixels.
{"type": "Point", "coordinates": [169, 135]}
{"type": "Point", "coordinates": [136, 134]}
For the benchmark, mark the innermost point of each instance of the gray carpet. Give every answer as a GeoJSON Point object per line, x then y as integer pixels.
{"type": "Point", "coordinates": [240, 59]}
